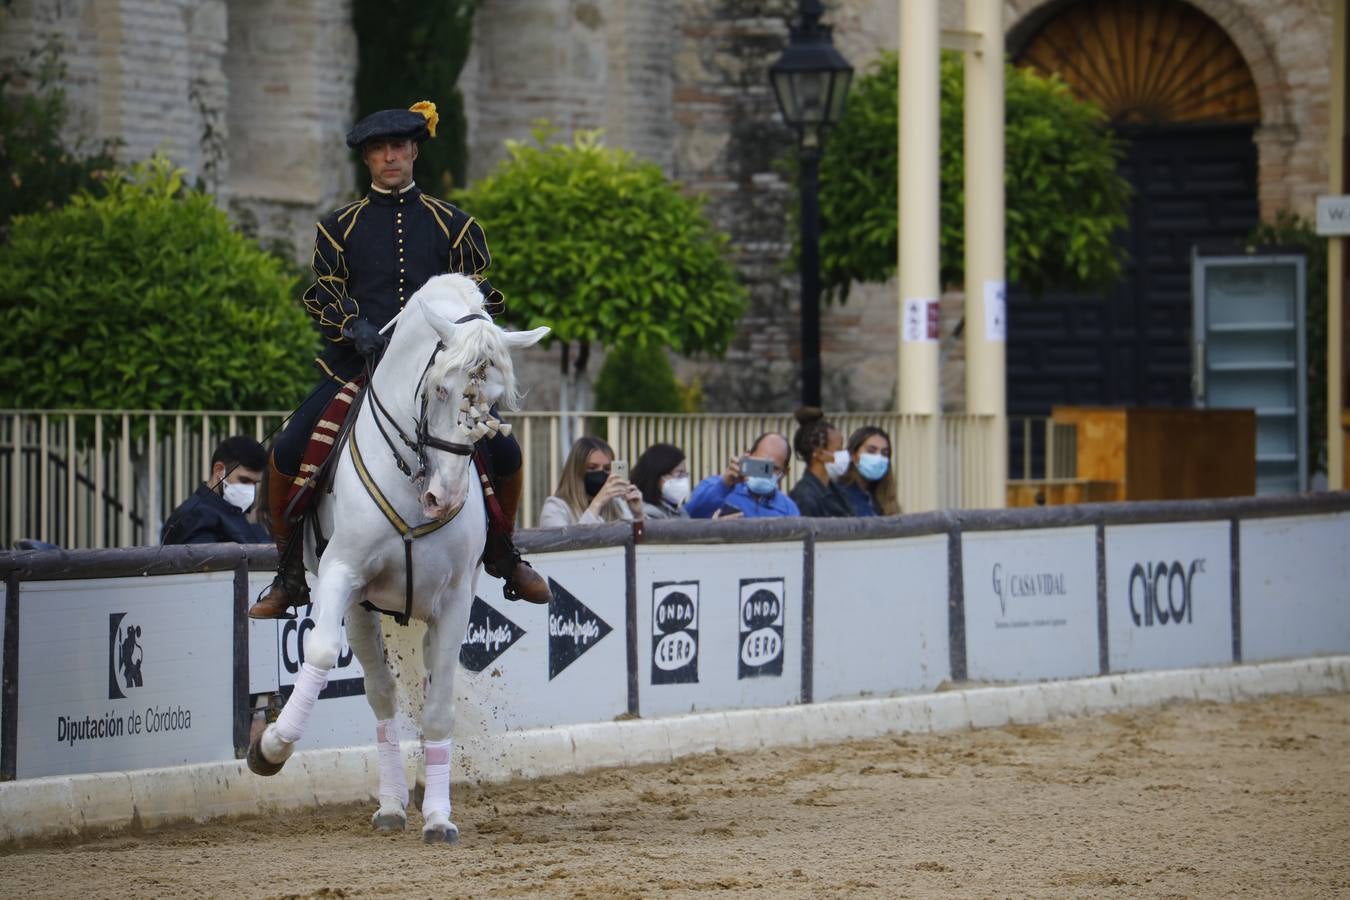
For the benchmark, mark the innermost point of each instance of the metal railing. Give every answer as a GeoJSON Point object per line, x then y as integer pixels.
{"type": "Point", "coordinates": [109, 478]}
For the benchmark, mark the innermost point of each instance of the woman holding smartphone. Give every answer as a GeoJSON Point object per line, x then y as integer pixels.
{"type": "Point", "coordinates": [589, 491]}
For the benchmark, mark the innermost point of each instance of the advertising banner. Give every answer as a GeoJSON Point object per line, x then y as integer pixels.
{"type": "Point", "coordinates": [1295, 586]}
{"type": "Point", "coordinates": [881, 617]}
{"type": "Point", "coordinates": [125, 673]}
{"type": "Point", "coordinates": [528, 666]}
{"type": "Point", "coordinates": [1169, 598]}
{"type": "Point", "coordinates": [1030, 603]}
{"type": "Point", "coordinates": [719, 626]}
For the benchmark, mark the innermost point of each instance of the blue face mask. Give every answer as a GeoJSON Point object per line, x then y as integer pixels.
{"type": "Point", "coordinates": [873, 466]}
{"type": "Point", "coordinates": [761, 485]}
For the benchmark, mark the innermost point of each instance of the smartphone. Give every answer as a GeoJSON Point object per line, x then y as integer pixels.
{"type": "Point", "coordinates": [620, 468]}
{"type": "Point", "coordinates": [750, 467]}
{"type": "Point", "coordinates": [727, 510]}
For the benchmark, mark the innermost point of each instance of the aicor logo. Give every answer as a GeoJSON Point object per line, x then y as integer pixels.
{"type": "Point", "coordinates": [1150, 583]}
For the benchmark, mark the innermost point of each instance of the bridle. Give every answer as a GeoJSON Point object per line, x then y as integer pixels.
{"type": "Point", "coordinates": [477, 422]}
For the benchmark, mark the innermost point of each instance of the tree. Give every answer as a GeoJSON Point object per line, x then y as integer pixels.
{"type": "Point", "coordinates": [413, 50]}
{"type": "Point", "coordinates": [1065, 199]}
{"type": "Point", "coordinates": [41, 165]}
{"type": "Point", "coordinates": [141, 296]}
{"type": "Point", "coordinates": [602, 247]}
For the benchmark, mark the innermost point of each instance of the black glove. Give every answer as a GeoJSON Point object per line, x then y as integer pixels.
{"type": "Point", "coordinates": [366, 338]}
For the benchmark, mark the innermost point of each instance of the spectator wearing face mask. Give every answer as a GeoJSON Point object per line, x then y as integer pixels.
{"type": "Point", "coordinates": [730, 494]}
{"type": "Point", "coordinates": [216, 512]}
{"type": "Point", "coordinates": [869, 482]}
{"type": "Point", "coordinates": [663, 478]}
{"type": "Point", "coordinates": [821, 446]}
{"type": "Point", "coordinates": [588, 492]}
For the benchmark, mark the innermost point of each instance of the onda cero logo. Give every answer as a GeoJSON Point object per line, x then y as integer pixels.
{"type": "Point", "coordinates": [761, 626]}
{"type": "Point", "coordinates": [125, 655]}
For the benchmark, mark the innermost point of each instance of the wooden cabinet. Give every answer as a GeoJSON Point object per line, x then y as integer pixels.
{"type": "Point", "coordinates": [1165, 454]}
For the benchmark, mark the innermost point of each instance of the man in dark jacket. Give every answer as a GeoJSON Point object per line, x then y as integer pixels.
{"type": "Point", "coordinates": [370, 256]}
{"type": "Point", "coordinates": [215, 513]}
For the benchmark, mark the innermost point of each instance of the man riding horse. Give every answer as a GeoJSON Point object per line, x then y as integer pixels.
{"type": "Point", "coordinates": [370, 256]}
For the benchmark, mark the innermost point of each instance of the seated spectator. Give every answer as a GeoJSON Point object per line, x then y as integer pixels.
{"type": "Point", "coordinates": [869, 482]}
{"type": "Point", "coordinates": [215, 513]}
{"type": "Point", "coordinates": [663, 478]}
{"type": "Point", "coordinates": [821, 446]}
{"type": "Point", "coordinates": [728, 494]}
{"type": "Point", "coordinates": [588, 493]}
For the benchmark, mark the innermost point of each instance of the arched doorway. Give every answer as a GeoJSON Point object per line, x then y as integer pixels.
{"type": "Point", "coordinates": [1178, 92]}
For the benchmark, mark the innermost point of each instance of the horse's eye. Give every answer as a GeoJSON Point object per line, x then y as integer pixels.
{"type": "Point", "coordinates": [442, 393]}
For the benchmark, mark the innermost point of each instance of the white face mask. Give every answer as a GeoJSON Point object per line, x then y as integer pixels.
{"type": "Point", "coordinates": [836, 467]}
{"type": "Point", "coordinates": [676, 490]}
{"type": "Point", "coordinates": [240, 495]}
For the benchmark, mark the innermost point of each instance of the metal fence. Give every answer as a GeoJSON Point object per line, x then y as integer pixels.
{"type": "Point", "coordinates": [91, 479]}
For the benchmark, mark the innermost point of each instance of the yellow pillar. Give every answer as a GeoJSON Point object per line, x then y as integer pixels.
{"type": "Point", "coordinates": [986, 312]}
{"type": "Point", "coordinates": [1336, 152]}
{"type": "Point", "coordinates": [918, 203]}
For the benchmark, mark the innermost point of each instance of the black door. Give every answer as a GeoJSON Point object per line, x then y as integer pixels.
{"type": "Point", "coordinates": [1130, 346]}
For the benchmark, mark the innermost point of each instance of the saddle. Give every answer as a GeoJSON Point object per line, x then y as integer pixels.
{"type": "Point", "coordinates": [329, 434]}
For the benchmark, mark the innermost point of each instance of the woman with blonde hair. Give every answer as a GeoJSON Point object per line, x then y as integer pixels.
{"type": "Point", "coordinates": [588, 492]}
{"type": "Point", "coordinates": [869, 481]}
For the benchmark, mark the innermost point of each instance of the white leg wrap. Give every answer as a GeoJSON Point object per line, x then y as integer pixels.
{"type": "Point", "coordinates": [437, 795]}
{"type": "Point", "coordinates": [295, 714]}
{"type": "Point", "coordinates": [393, 783]}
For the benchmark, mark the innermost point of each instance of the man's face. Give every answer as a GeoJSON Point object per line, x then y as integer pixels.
{"type": "Point", "coordinates": [390, 161]}
{"type": "Point", "coordinates": [775, 449]}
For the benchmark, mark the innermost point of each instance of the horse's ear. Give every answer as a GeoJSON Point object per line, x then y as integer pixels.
{"type": "Point", "coordinates": [517, 340]}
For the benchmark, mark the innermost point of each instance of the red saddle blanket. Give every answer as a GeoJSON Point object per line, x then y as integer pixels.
{"type": "Point", "coordinates": [320, 447]}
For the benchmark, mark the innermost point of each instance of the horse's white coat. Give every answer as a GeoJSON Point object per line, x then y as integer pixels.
{"type": "Point", "coordinates": [364, 560]}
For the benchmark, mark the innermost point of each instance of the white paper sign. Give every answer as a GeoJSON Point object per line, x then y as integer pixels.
{"type": "Point", "coordinates": [1333, 215]}
{"type": "Point", "coordinates": [995, 311]}
{"type": "Point", "coordinates": [920, 323]}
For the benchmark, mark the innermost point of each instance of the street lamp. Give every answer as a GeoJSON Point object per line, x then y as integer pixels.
{"type": "Point", "coordinates": [810, 81]}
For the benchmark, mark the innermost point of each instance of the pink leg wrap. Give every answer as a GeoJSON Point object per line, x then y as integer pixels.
{"type": "Point", "coordinates": [437, 795]}
{"type": "Point", "coordinates": [295, 714]}
{"type": "Point", "coordinates": [393, 783]}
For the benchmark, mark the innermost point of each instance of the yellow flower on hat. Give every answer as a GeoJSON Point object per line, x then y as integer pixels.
{"type": "Point", "coordinates": [428, 111]}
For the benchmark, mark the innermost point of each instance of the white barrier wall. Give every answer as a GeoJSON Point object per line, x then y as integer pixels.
{"type": "Point", "coordinates": [125, 673]}
{"type": "Point", "coordinates": [719, 626]}
{"type": "Point", "coordinates": [1295, 586]}
{"type": "Point", "coordinates": [525, 665]}
{"type": "Point", "coordinates": [881, 618]}
{"type": "Point", "coordinates": [1030, 603]}
{"type": "Point", "coordinates": [1169, 598]}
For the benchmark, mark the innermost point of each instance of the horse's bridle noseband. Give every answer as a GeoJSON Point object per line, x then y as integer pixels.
{"type": "Point", "coordinates": [422, 439]}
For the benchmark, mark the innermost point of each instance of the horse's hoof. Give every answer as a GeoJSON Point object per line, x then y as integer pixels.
{"type": "Point", "coordinates": [388, 822]}
{"type": "Point", "coordinates": [441, 834]}
{"type": "Point", "coordinates": [257, 763]}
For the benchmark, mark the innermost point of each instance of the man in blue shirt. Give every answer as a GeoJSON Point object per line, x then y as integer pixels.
{"type": "Point", "coordinates": [751, 497]}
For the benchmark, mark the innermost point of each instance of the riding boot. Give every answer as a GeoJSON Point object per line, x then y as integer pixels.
{"type": "Point", "coordinates": [501, 559]}
{"type": "Point", "coordinates": [288, 588]}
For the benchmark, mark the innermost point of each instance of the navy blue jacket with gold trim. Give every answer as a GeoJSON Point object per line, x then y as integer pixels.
{"type": "Point", "coordinates": [370, 256]}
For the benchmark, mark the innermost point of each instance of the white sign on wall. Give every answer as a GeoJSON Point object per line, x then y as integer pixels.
{"type": "Point", "coordinates": [125, 673]}
{"type": "Point", "coordinates": [921, 319]}
{"type": "Point", "coordinates": [749, 624]}
{"type": "Point", "coordinates": [1295, 586]}
{"type": "Point", "coordinates": [881, 623]}
{"type": "Point", "coordinates": [1030, 603]}
{"type": "Point", "coordinates": [1169, 600]}
{"type": "Point", "coordinates": [530, 666]}
{"type": "Point", "coordinates": [995, 311]}
{"type": "Point", "coordinates": [1333, 216]}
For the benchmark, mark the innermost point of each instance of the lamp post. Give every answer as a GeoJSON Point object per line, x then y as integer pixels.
{"type": "Point", "coordinates": [810, 81]}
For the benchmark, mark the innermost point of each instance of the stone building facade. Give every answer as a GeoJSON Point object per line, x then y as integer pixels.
{"type": "Point", "coordinates": [252, 96]}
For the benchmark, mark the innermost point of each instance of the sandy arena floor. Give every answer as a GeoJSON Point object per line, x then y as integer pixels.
{"type": "Point", "coordinates": [1190, 800]}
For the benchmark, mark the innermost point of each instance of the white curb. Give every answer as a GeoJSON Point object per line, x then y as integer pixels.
{"type": "Point", "coordinates": [104, 802]}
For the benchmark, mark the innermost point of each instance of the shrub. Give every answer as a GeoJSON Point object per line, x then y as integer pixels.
{"type": "Point", "coordinates": [141, 296]}
{"type": "Point", "coordinates": [638, 379]}
{"type": "Point", "coordinates": [1065, 200]}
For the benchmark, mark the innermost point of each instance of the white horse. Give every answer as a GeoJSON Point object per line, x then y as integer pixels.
{"type": "Point", "coordinates": [408, 469]}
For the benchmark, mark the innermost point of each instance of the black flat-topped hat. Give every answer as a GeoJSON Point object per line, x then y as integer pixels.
{"type": "Point", "coordinates": [415, 124]}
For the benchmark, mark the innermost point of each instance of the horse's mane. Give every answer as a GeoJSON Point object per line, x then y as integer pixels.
{"type": "Point", "coordinates": [468, 344]}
